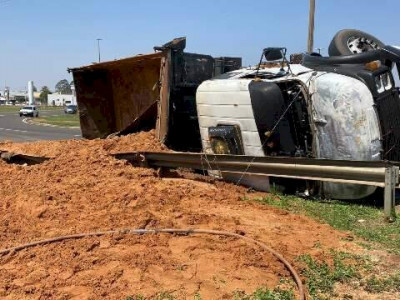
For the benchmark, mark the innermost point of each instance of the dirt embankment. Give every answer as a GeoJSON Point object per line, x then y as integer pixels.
{"type": "Point", "coordinates": [82, 189]}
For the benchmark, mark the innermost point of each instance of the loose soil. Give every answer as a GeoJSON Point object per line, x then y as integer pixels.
{"type": "Point", "coordinates": [83, 189]}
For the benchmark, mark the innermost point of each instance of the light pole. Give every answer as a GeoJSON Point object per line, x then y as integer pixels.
{"type": "Point", "coordinates": [310, 43]}
{"type": "Point", "coordinates": [98, 46]}
{"type": "Point", "coordinates": [73, 102]}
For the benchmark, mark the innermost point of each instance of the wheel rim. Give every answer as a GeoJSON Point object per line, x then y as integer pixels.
{"type": "Point", "coordinates": [361, 44]}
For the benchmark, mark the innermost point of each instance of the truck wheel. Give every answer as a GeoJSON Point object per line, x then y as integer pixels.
{"type": "Point", "coordinates": [351, 41]}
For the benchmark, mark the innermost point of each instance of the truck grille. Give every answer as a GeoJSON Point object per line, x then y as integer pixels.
{"type": "Point", "coordinates": [388, 107]}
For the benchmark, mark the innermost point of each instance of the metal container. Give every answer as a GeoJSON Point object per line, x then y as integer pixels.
{"type": "Point", "coordinates": [147, 91]}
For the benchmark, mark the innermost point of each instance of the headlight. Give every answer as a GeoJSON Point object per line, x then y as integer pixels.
{"type": "Point", "coordinates": [219, 146]}
{"type": "Point", "coordinates": [386, 81]}
{"type": "Point", "coordinates": [378, 84]}
{"type": "Point", "coordinates": [383, 82]}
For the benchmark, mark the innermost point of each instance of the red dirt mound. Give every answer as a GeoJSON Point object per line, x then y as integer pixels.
{"type": "Point", "coordinates": [83, 189]}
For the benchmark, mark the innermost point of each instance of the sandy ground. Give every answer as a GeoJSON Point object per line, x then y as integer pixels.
{"type": "Point", "coordinates": [83, 189]}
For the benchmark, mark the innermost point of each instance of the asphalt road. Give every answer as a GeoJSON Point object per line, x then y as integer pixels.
{"type": "Point", "coordinates": [13, 129]}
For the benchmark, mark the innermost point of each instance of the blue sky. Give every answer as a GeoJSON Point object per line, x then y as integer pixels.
{"type": "Point", "coordinates": [40, 39]}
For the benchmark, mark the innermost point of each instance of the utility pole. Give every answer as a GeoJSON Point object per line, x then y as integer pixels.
{"type": "Point", "coordinates": [98, 46]}
{"type": "Point", "coordinates": [310, 44]}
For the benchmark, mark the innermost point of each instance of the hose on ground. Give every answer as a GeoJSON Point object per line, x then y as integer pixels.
{"type": "Point", "coordinates": [286, 263]}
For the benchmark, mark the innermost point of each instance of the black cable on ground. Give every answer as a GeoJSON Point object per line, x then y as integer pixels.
{"type": "Point", "coordinates": [291, 269]}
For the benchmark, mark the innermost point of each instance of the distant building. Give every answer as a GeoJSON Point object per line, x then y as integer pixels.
{"type": "Point", "coordinates": [12, 97]}
{"type": "Point", "coordinates": [36, 95]}
{"type": "Point", "coordinates": [2, 97]}
{"type": "Point", "coordinates": [58, 99]}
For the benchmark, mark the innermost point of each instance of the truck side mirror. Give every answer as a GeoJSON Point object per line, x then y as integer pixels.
{"type": "Point", "coordinates": [273, 53]}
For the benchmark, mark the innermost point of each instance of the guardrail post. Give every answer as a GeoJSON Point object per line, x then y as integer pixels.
{"type": "Point", "coordinates": [391, 178]}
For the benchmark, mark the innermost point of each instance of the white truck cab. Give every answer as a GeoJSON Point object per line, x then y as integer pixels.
{"type": "Point", "coordinates": [319, 109]}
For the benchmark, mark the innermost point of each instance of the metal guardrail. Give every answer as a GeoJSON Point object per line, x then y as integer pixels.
{"type": "Point", "coordinates": [375, 173]}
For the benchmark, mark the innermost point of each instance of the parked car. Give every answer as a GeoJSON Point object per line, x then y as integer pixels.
{"type": "Point", "coordinates": [30, 110]}
{"type": "Point", "coordinates": [71, 109]}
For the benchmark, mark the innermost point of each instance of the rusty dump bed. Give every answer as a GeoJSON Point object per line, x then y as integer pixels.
{"type": "Point", "coordinates": [112, 95]}
{"type": "Point", "coordinates": [147, 91]}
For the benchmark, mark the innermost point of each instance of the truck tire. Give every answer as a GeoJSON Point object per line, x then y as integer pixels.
{"type": "Point", "coordinates": [351, 41]}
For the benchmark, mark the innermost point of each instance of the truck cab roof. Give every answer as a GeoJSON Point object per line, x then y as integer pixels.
{"type": "Point", "coordinates": [264, 73]}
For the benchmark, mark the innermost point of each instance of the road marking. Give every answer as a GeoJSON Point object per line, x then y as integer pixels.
{"type": "Point", "coordinates": [16, 130]}
{"type": "Point", "coordinates": [2, 115]}
{"type": "Point", "coordinates": [29, 121]}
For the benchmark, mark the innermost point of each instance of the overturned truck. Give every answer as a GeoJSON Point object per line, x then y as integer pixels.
{"type": "Point", "coordinates": [345, 106]}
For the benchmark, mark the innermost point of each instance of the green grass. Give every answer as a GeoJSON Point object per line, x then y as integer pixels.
{"type": "Point", "coordinates": [347, 268]}
{"type": "Point", "coordinates": [266, 294]}
{"type": "Point", "coordinates": [197, 296]}
{"type": "Point", "coordinates": [14, 108]}
{"type": "Point", "coordinates": [362, 220]}
{"type": "Point", "coordinates": [259, 294]}
{"type": "Point", "coordinates": [159, 296]}
{"type": "Point", "coordinates": [66, 120]}
{"type": "Point", "coordinates": [376, 284]}
{"type": "Point", "coordinates": [135, 297]}
{"type": "Point", "coordinates": [321, 278]}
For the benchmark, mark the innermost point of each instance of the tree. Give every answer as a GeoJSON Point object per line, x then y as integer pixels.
{"type": "Point", "coordinates": [63, 87]}
{"type": "Point", "coordinates": [44, 92]}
